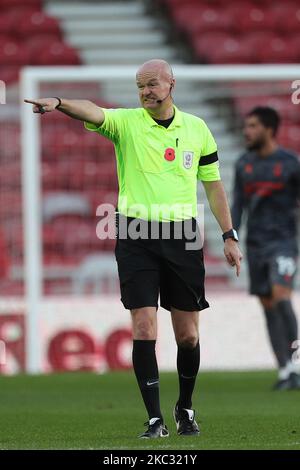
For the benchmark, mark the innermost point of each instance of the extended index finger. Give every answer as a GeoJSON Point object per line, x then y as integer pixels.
{"type": "Point", "coordinates": [32, 102]}
{"type": "Point", "coordinates": [238, 267]}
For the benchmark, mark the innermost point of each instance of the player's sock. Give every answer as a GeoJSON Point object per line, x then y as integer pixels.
{"type": "Point", "coordinates": [294, 367]}
{"type": "Point", "coordinates": [284, 372]}
{"type": "Point", "coordinates": [289, 322]}
{"type": "Point", "coordinates": [188, 362]}
{"type": "Point", "coordinates": [277, 336]}
{"type": "Point", "coordinates": [146, 372]}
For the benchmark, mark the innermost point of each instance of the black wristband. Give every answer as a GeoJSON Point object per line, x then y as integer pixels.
{"type": "Point", "coordinates": [231, 234]}
{"type": "Point", "coordinates": [59, 102]}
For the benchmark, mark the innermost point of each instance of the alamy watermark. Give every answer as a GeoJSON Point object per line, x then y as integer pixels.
{"type": "Point", "coordinates": [160, 221]}
{"type": "Point", "coordinates": [296, 95]}
{"type": "Point", "coordinates": [2, 92]}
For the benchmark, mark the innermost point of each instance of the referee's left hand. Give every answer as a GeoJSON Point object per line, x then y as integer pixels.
{"type": "Point", "coordinates": [233, 254]}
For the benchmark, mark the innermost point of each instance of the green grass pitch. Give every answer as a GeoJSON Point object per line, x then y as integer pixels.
{"type": "Point", "coordinates": [236, 410]}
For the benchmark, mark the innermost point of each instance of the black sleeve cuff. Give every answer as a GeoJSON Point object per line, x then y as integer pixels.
{"type": "Point", "coordinates": [207, 159]}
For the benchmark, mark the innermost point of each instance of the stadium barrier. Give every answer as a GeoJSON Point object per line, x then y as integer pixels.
{"type": "Point", "coordinates": [94, 334]}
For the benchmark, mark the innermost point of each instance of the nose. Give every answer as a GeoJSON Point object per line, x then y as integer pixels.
{"type": "Point", "coordinates": [145, 91]}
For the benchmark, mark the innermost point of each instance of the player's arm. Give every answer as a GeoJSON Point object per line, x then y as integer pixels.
{"type": "Point", "coordinates": [83, 110]}
{"type": "Point", "coordinates": [238, 200]}
{"type": "Point", "coordinates": [218, 203]}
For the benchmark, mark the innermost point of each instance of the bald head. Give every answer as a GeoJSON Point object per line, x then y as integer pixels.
{"type": "Point", "coordinates": [157, 66]}
{"type": "Point", "coordinates": [155, 83]}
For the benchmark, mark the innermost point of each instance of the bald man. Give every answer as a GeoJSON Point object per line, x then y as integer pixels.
{"type": "Point", "coordinates": [161, 154]}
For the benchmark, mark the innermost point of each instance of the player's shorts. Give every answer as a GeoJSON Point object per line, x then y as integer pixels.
{"type": "Point", "coordinates": [149, 268]}
{"type": "Point", "coordinates": [265, 271]}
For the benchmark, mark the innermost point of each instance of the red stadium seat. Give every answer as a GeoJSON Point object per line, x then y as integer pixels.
{"type": "Point", "coordinates": [294, 41]}
{"type": "Point", "coordinates": [10, 19]}
{"type": "Point", "coordinates": [10, 174]}
{"type": "Point", "coordinates": [204, 43]}
{"type": "Point", "coordinates": [55, 118]}
{"type": "Point", "coordinates": [7, 23]}
{"type": "Point", "coordinates": [4, 257]}
{"type": "Point", "coordinates": [286, 17]}
{"type": "Point", "coordinates": [205, 19]}
{"type": "Point", "coordinates": [13, 53]}
{"type": "Point", "coordinates": [38, 45]}
{"type": "Point", "coordinates": [57, 53]}
{"type": "Point", "coordinates": [11, 205]}
{"type": "Point", "coordinates": [38, 42]}
{"type": "Point", "coordinates": [243, 104]}
{"type": "Point", "coordinates": [289, 136]}
{"type": "Point", "coordinates": [263, 3]}
{"type": "Point", "coordinates": [222, 49]}
{"type": "Point", "coordinates": [268, 47]}
{"type": "Point", "coordinates": [258, 39]}
{"type": "Point", "coordinates": [248, 18]}
{"type": "Point", "coordinates": [289, 132]}
{"type": "Point", "coordinates": [100, 196]}
{"type": "Point", "coordinates": [287, 110]}
{"type": "Point", "coordinates": [20, 3]}
{"type": "Point", "coordinates": [60, 140]}
{"type": "Point", "coordinates": [70, 236]}
{"type": "Point", "coordinates": [6, 37]}
{"type": "Point", "coordinates": [251, 24]}
{"type": "Point", "coordinates": [283, 104]}
{"type": "Point", "coordinates": [175, 4]}
{"type": "Point", "coordinates": [10, 139]}
{"type": "Point", "coordinates": [78, 174]}
{"type": "Point", "coordinates": [9, 74]}
{"type": "Point", "coordinates": [278, 50]}
{"type": "Point", "coordinates": [190, 16]}
{"type": "Point", "coordinates": [29, 36]}
{"type": "Point", "coordinates": [184, 15]}
{"type": "Point", "coordinates": [37, 23]}
{"type": "Point", "coordinates": [67, 137]}
{"type": "Point", "coordinates": [232, 51]}
{"type": "Point", "coordinates": [49, 176]}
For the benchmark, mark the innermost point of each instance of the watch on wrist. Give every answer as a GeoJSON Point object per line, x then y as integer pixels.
{"type": "Point", "coordinates": [59, 102]}
{"type": "Point", "coordinates": [231, 234]}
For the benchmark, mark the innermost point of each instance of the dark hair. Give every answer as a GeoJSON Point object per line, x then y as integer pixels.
{"type": "Point", "coordinates": [269, 117]}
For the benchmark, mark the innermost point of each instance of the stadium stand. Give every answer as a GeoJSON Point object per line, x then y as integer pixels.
{"type": "Point", "coordinates": [227, 32]}
{"type": "Point", "coordinates": [78, 168]}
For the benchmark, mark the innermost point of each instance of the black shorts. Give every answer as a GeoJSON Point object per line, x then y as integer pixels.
{"type": "Point", "coordinates": [151, 267]}
{"type": "Point", "coordinates": [264, 271]}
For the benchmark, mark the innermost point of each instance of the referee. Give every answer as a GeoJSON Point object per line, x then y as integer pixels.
{"type": "Point", "coordinates": [161, 153]}
{"type": "Point", "coordinates": [267, 189]}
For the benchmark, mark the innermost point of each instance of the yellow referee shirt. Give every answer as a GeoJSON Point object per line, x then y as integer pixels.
{"type": "Point", "coordinates": [158, 167]}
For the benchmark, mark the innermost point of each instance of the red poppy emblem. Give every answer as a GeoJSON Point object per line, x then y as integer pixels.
{"type": "Point", "coordinates": [248, 168]}
{"type": "Point", "coordinates": [170, 154]}
{"type": "Point", "coordinates": [277, 170]}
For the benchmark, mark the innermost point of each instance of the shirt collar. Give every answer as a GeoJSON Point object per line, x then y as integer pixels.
{"type": "Point", "coordinates": [177, 121]}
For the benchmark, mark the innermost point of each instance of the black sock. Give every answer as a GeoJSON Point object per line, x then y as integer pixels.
{"type": "Point", "coordinates": [188, 361]}
{"type": "Point", "coordinates": [289, 321]}
{"type": "Point", "coordinates": [277, 336]}
{"type": "Point", "coordinates": [146, 372]}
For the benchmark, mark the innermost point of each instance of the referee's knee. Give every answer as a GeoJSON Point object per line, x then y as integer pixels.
{"type": "Point", "coordinates": [144, 328]}
{"type": "Point", "coordinates": [187, 341]}
{"type": "Point", "coordinates": [144, 332]}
